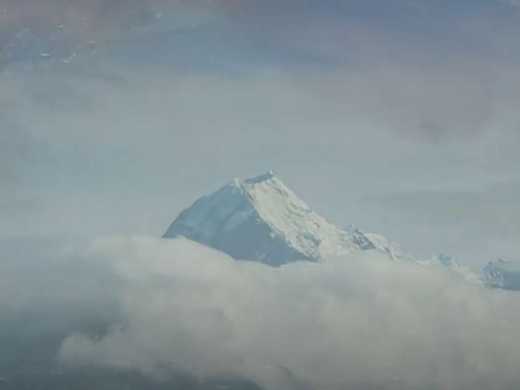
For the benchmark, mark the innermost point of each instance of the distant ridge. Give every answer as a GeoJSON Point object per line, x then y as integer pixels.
{"type": "Point", "coordinates": [503, 274]}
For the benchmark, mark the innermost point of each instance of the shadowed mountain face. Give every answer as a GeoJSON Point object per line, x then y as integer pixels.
{"type": "Point", "coordinates": [261, 219]}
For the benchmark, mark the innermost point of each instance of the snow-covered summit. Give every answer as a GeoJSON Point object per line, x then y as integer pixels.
{"type": "Point", "coordinates": [262, 219]}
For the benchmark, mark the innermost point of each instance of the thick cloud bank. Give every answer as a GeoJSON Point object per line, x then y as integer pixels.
{"type": "Point", "coordinates": [347, 323]}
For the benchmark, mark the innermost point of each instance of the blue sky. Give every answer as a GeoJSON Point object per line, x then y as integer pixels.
{"type": "Point", "coordinates": [399, 117]}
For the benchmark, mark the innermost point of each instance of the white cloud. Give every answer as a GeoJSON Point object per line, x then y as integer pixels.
{"type": "Point", "coordinates": [347, 322]}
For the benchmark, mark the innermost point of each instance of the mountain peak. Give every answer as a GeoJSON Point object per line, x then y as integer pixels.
{"type": "Point", "coordinates": [261, 219]}
{"type": "Point", "coordinates": [269, 175]}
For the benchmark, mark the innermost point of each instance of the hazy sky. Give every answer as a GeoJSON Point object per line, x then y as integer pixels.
{"type": "Point", "coordinates": [399, 117]}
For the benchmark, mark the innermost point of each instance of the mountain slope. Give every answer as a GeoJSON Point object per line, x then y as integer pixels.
{"type": "Point", "coordinates": [261, 219]}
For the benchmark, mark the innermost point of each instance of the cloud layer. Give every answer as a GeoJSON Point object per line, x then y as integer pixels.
{"type": "Point", "coordinates": [353, 321]}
